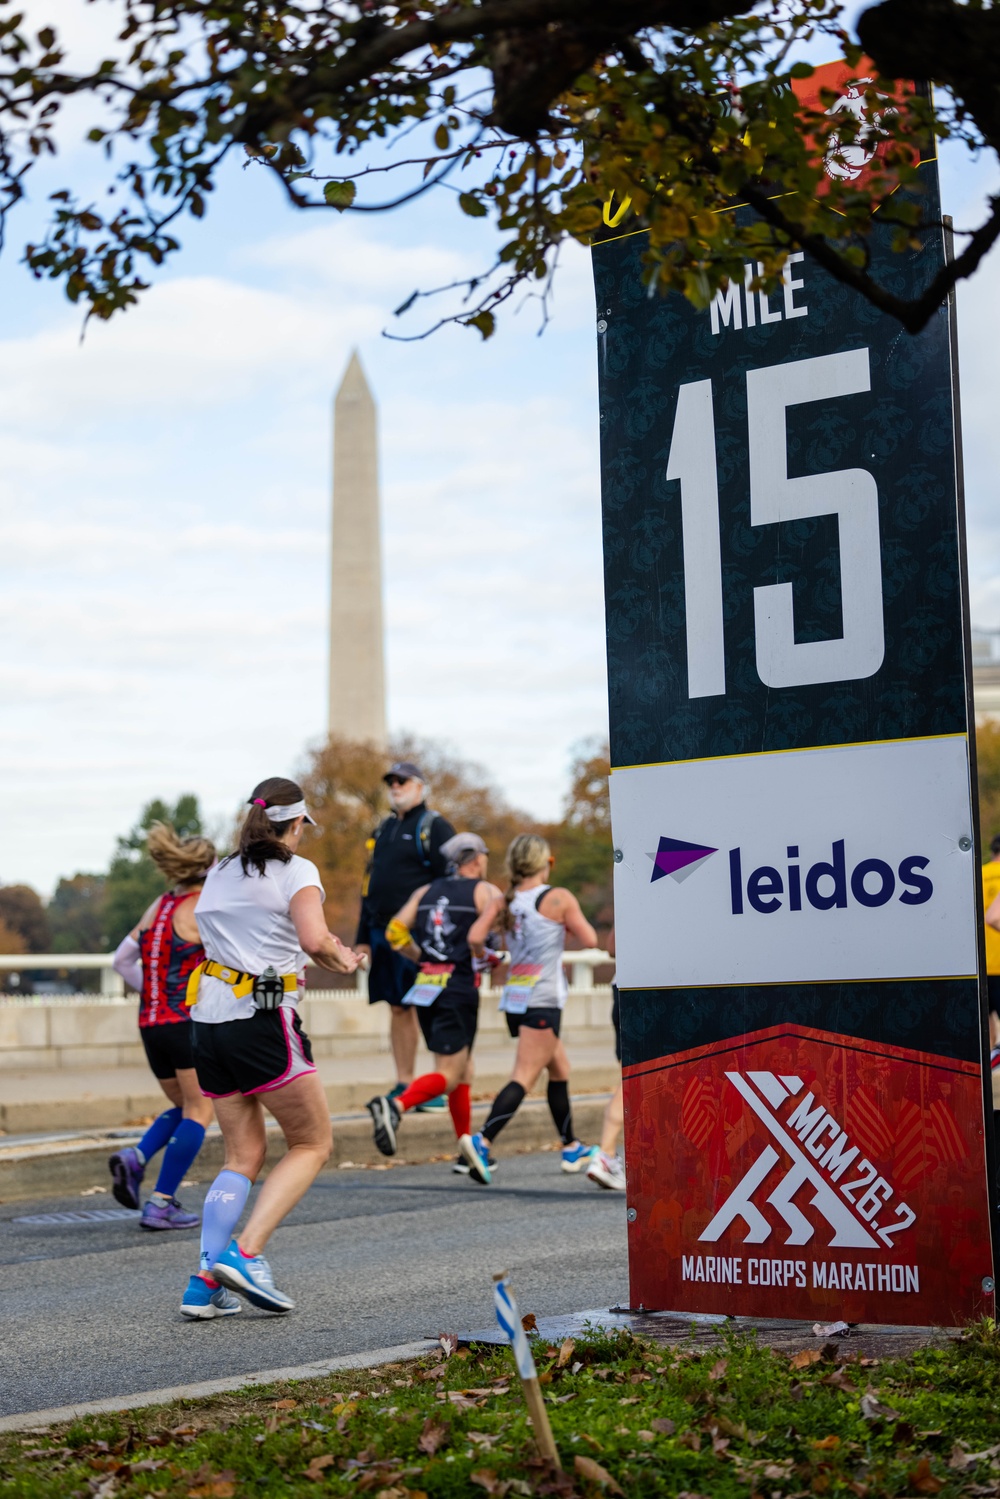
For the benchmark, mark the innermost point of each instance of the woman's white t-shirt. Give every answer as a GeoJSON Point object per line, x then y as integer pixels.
{"type": "Point", "coordinates": [244, 923]}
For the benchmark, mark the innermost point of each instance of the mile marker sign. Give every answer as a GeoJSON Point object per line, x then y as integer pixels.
{"type": "Point", "coordinates": [796, 885]}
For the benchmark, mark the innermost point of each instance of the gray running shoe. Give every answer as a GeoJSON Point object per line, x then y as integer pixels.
{"type": "Point", "coordinates": [385, 1118]}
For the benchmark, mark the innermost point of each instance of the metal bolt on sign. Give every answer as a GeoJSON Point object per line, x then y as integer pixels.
{"type": "Point", "coordinates": [965, 843]}
{"type": "Point", "coordinates": [631, 1216]}
{"type": "Point", "coordinates": [619, 856]}
{"type": "Point", "coordinates": [989, 1284]}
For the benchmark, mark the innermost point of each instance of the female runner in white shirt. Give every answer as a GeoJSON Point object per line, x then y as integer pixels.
{"type": "Point", "coordinates": [260, 915]}
{"type": "Point", "coordinates": [535, 917]}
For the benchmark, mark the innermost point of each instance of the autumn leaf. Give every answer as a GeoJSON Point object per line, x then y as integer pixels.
{"type": "Point", "coordinates": [221, 1486]}
{"type": "Point", "coordinates": [872, 1408]}
{"type": "Point", "coordinates": [588, 1468]}
{"type": "Point", "coordinates": [449, 1342]}
{"type": "Point", "coordinates": [317, 1465]}
{"type": "Point", "coordinates": [664, 1426]}
{"type": "Point", "coordinates": [922, 1479]}
{"type": "Point", "coordinates": [565, 1353]}
{"type": "Point", "coordinates": [485, 1479]}
{"type": "Point", "coordinates": [340, 195]}
{"type": "Point", "coordinates": [646, 1436]}
{"type": "Point", "coordinates": [529, 1322]}
{"type": "Point", "coordinates": [690, 1439]}
{"type": "Point", "coordinates": [826, 1444]}
{"type": "Point", "coordinates": [718, 1371]}
{"type": "Point", "coordinates": [804, 1358]}
{"type": "Point", "coordinates": [434, 1434]}
{"type": "Point", "coordinates": [285, 1405]}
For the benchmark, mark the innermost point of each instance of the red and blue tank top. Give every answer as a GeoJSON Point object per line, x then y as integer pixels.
{"type": "Point", "coordinates": [167, 964]}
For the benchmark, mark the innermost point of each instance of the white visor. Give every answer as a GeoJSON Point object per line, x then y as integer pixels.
{"type": "Point", "coordinates": [289, 813]}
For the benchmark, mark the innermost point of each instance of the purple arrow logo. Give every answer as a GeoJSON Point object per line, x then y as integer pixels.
{"type": "Point", "coordinates": [678, 859]}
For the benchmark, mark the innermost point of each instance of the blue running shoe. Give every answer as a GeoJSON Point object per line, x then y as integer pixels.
{"type": "Point", "coordinates": [476, 1150]}
{"type": "Point", "coordinates": [433, 1105]}
{"type": "Point", "coordinates": [126, 1169]}
{"type": "Point", "coordinates": [201, 1303]}
{"type": "Point", "coordinates": [158, 1214]}
{"type": "Point", "coordinates": [251, 1276]}
{"type": "Point", "coordinates": [577, 1157]}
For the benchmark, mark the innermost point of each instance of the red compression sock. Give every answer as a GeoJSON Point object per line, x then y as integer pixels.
{"type": "Point", "coordinates": [421, 1090]}
{"type": "Point", "coordinates": [460, 1103]}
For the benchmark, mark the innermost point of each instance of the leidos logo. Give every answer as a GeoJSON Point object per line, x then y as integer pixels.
{"type": "Point", "coordinates": [678, 859]}
{"type": "Point", "coordinates": [817, 1157]}
{"type": "Point", "coordinates": [872, 882]}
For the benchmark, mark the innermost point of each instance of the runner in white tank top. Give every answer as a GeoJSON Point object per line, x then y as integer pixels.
{"type": "Point", "coordinates": [536, 918]}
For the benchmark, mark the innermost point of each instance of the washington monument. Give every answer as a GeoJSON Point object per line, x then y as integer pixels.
{"type": "Point", "coordinates": [357, 667]}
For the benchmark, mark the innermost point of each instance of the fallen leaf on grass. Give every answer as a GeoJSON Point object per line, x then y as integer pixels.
{"type": "Point", "coordinates": [565, 1353]}
{"type": "Point", "coordinates": [646, 1436]}
{"type": "Point", "coordinates": [485, 1479]}
{"type": "Point", "coordinates": [826, 1444]}
{"type": "Point", "coordinates": [217, 1486]}
{"type": "Point", "coordinates": [629, 1400]}
{"type": "Point", "coordinates": [435, 1373]}
{"type": "Point", "coordinates": [449, 1342]}
{"type": "Point", "coordinates": [839, 1380]}
{"type": "Point", "coordinates": [592, 1441]}
{"type": "Point", "coordinates": [316, 1466]}
{"type": "Point", "coordinates": [483, 1439]}
{"type": "Point", "coordinates": [664, 1426]}
{"type": "Point", "coordinates": [434, 1434]}
{"type": "Point", "coordinates": [690, 1439]}
{"type": "Point", "coordinates": [529, 1322]}
{"type": "Point", "coordinates": [285, 1405]}
{"type": "Point", "coordinates": [922, 1479]}
{"type": "Point", "coordinates": [105, 1489]}
{"type": "Point", "coordinates": [804, 1358]}
{"type": "Point", "coordinates": [689, 1494]}
{"type": "Point", "coordinates": [588, 1468]}
{"type": "Point", "coordinates": [718, 1370]}
{"type": "Point", "coordinates": [872, 1409]}
{"type": "Point", "coordinates": [960, 1458]}
{"type": "Point", "coordinates": [779, 1470]}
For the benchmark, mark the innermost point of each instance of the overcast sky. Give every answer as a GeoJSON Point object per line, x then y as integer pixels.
{"type": "Point", "coordinates": [165, 515]}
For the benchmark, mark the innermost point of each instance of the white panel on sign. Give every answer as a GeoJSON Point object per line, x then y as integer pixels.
{"type": "Point", "coordinates": [812, 865]}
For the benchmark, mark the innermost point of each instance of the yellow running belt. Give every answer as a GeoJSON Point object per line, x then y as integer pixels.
{"type": "Point", "coordinates": [240, 983]}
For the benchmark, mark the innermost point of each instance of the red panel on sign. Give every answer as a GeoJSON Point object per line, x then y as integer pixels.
{"type": "Point", "coordinates": [795, 1173]}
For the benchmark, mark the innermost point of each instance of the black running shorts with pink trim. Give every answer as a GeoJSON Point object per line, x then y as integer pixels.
{"type": "Point", "coordinates": [255, 1055]}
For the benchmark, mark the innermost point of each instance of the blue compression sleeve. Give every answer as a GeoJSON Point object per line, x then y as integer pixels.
{"type": "Point", "coordinates": [159, 1133]}
{"type": "Point", "coordinates": [224, 1202]}
{"type": "Point", "coordinates": [184, 1146]}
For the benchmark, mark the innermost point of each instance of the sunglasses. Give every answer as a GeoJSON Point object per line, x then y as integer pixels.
{"type": "Point", "coordinates": [396, 781]}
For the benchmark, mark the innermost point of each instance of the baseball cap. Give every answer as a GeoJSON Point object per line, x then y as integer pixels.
{"type": "Point", "coordinates": [459, 848]}
{"type": "Point", "coordinates": [404, 769]}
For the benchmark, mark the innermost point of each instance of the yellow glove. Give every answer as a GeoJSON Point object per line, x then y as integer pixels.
{"type": "Point", "coordinates": [397, 935]}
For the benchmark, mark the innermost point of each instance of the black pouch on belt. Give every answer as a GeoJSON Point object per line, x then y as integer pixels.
{"type": "Point", "coordinates": [268, 990]}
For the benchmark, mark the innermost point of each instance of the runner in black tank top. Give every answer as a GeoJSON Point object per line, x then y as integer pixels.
{"type": "Point", "coordinates": [432, 929]}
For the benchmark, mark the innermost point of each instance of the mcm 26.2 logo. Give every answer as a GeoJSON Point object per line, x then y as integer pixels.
{"type": "Point", "coordinates": [825, 885]}
{"type": "Point", "coordinates": [819, 1160]}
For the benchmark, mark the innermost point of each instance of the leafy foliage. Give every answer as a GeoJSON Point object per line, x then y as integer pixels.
{"type": "Point", "coordinates": [133, 881]}
{"type": "Point", "coordinates": [77, 913]}
{"type": "Point", "coordinates": [23, 914]}
{"type": "Point", "coordinates": [543, 117]}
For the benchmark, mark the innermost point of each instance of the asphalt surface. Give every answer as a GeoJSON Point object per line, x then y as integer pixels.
{"type": "Point", "coordinates": [89, 1306]}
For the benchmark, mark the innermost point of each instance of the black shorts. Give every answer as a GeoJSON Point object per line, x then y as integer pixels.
{"type": "Point", "coordinates": [390, 974]}
{"type": "Point", "coordinates": [168, 1047]}
{"type": "Point", "coordinates": [535, 1020]}
{"type": "Point", "coordinates": [993, 990]}
{"type": "Point", "coordinates": [251, 1056]}
{"type": "Point", "coordinates": [449, 1025]}
{"type": "Point", "coordinates": [616, 1020]}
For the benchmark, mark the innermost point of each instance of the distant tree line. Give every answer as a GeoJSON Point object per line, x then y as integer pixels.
{"type": "Point", "coordinates": [91, 912]}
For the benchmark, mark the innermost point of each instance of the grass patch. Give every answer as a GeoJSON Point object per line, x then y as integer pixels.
{"type": "Point", "coordinates": [629, 1418]}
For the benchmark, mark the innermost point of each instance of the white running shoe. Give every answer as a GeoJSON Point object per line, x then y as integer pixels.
{"type": "Point", "coordinates": [607, 1171]}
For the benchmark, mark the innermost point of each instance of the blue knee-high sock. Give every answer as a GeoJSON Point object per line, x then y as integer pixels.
{"type": "Point", "coordinates": [159, 1133]}
{"type": "Point", "coordinates": [224, 1202]}
{"type": "Point", "coordinates": [184, 1145]}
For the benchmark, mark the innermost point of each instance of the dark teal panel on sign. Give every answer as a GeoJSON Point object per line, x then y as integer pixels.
{"type": "Point", "coordinates": [899, 431]}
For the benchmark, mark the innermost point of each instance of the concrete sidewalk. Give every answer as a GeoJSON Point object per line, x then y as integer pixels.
{"type": "Point", "coordinates": [36, 1102]}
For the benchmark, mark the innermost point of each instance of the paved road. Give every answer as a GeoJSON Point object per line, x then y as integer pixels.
{"type": "Point", "coordinates": [374, 1258]}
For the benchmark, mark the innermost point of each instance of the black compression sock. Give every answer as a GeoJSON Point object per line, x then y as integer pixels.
{"type": "Point", "coordinates": [505, 1106]}
{"type": "Point", "coordinates": [562, 1115]}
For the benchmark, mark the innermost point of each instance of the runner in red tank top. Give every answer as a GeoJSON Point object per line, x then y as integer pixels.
{"type": "Point", "coordinates": [157, 958]}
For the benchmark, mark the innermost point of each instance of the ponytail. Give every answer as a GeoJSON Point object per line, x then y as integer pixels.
{"type": "Point", "coordinates": [260, 836]}
{"type": "Point", "coordinates": [527, 855]}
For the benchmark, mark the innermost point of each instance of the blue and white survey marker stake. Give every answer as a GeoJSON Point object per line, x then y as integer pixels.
{"type": "Point", "coordinates": [512, 1327]}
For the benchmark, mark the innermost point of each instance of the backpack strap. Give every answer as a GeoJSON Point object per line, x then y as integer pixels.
{"type": "Point", "coordinates": [422, 838]}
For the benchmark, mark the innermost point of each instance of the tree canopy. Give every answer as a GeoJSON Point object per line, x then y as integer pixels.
{"type": "Point", "coordinates": [542, 116]}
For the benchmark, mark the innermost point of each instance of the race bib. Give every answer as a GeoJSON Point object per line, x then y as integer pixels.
{"type": "Point", "coordinates": [431, 979]}
{"type": "Point", "coordinates": [521, 979]}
